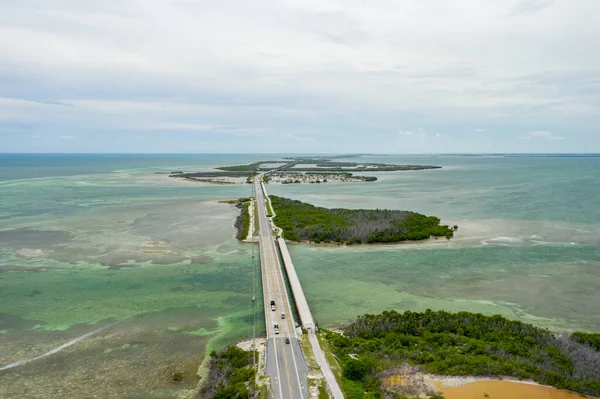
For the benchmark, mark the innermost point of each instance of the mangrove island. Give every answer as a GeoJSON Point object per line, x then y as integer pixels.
{"type": "Point", "coordinates": [305, 222]}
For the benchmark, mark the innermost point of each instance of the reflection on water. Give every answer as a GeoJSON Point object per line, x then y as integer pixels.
{"type": "Point", "coordinates": [505, 390]}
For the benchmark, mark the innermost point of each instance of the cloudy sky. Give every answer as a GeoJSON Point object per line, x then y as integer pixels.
{"type": "Point", "coordinates": [386, 76]}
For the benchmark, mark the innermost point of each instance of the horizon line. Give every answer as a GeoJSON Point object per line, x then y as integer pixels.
{"type": "Point", "coordinates": [300, 153]}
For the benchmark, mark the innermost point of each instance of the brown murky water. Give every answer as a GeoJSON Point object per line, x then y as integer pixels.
{"type": "Point", "coordinates": [505, 390]}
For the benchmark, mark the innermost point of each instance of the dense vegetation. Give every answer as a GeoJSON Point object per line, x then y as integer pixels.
{"type": "Point", "coordinates": [231, 375]}
{"type": "Point", "coordinates": [242, 222]}
{"type": "Point", "coordinates": [591, 339]}
{"type": "Point", "coordinates": [251, 167]}
{"type": "Point", "coordinates": [463, 344]}
{"type": "Point", "coordinates": [269, 209]}
{"type": "Point", "coordinates": [322, 165]}
{"type": "Point", "coordinates": [370, 167]}
{"type": "Point", "coordinates": [301, 221]}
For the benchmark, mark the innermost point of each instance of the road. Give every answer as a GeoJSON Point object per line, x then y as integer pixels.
{"type": "Point", "coordinates": [285, 362]}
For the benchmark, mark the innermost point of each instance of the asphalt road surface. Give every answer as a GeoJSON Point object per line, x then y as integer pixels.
{"type": "Point", "coordinates": [285, 362]}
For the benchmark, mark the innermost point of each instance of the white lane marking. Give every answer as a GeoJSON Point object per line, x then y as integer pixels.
{"type": "Point", "coordinates": [269, 316]}
{"type": "Point", "coordinates": [275, 283]}
{"type": "Point", "coordinates": [288, 324]}
{"type": "Point", "coordinates": [285, 305]}
{"type": "Point", "coordinates": [287, 372]}
{"type": "Point", "coordinates": [274, 339]}
{"type": "Point", "coordinates": [275, 280]}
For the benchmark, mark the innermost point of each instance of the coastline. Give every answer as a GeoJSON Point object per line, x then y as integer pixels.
{"type": "Point", "coordinates": [447, 381]}
{"type": "Point", "coordinates": [470, 387]}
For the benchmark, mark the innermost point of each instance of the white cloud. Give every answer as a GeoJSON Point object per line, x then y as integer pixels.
{"type": "Point", "coordinates": [420, 135]}
{"type": "Point", "coordinates": [318, 66]}
{"type": "Point", "coordinates": [35, 137]}
{"type": "Point", "coordinates": [542, 134]}
{"type": "Point", "coordinates": [479, 130]}
{"type": "Point", "coordinates": [67, 137]}
{"type": "Point", "coordinates": [531, 6]}
{"type": "Point", "coordinates": [183, 126]}
{"type": "Point", "coordinates": [348, 51]}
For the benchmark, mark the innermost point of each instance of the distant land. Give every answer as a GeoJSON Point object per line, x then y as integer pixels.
{"type": "Point", "coordinates": [556, 155]}
{"type": "Point", "coordinates": [298, 170]}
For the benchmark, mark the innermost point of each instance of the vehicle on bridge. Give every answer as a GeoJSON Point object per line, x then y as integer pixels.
{"type": "Point", "coordinates": [276, 328]}
{"type": "Point", "coordinates": [283, 315]}
{"type": "Point", "coordinates": [273, 306]}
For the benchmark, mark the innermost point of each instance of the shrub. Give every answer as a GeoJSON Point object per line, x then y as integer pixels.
{"type": "Point", "coordinates": [354, 370]}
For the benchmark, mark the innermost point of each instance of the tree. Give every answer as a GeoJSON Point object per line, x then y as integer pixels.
{"type": "Point", "coordinates": [355, 370]}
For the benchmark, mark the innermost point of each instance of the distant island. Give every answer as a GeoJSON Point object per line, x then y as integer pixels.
{"type": "Point", "coordinates": [297, 170]}
{"type": "Point", "coordinates": [305, 222]}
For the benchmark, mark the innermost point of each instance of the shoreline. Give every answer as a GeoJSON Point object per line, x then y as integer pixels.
{"type": "Point", "coordinates": [448, 381]}
{"type": "Point", "coordinates": [442, 382]}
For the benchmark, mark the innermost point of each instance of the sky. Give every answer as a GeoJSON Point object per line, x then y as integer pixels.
{"type": "Point", "coordinates": [291, 76]}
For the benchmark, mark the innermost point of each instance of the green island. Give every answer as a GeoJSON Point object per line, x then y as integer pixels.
{"type": "Point", "coordinates": [319, 164]}
{"type": "Point", "coordinates": [242, 222]}
{"type": "Point", "coordinates": [374, 348]}
{"type": "Point", "coordinates": [305, 222]}
{"type": "Point", "coordinates": [295, 170]}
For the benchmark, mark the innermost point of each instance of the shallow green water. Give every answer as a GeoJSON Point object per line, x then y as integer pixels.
{"type": "Point", "coordinates": [86, 241]}
{"type": "Point", "coordinates": [528, 244]}
{"type": "Point", "coordinates": [81, 251]}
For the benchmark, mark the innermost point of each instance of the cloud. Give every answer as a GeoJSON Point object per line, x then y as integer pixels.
{"type": "Point", "coordinates": [35, 137]}
{"type": "Point", "coordinates": [542, 134]}
{"type": "Point", "coordinates": [420, 135]}
{"type": "Point", "coordinates": [530, 6]}
{"type": "Point", "coordinates": [215, 69]}
{"type": "Point", "coordinates": [67, 137]}
{"type": "Point", "coordinates": [183, 126]}
{"type": "Point", "coordinates": [479, 130]}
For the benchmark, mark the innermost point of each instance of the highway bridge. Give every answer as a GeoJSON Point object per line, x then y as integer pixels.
{"type": "Point", "coordinates": [286, 365]}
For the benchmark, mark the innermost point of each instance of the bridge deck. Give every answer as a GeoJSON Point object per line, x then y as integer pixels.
{"type": "Point", "coordinates": [306, 317]}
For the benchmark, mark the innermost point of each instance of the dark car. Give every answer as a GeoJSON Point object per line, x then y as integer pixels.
{"type": "Point", "coordinates": [287, 340]}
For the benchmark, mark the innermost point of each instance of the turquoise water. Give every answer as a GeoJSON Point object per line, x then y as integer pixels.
{"type": "Point", "coordinates": [528, 244]}
{"type": "Point", "coordinates": [91, 240]}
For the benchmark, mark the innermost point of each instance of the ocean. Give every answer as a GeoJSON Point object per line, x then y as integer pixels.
{"type": "Point", "coordinates": [105, 244]}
